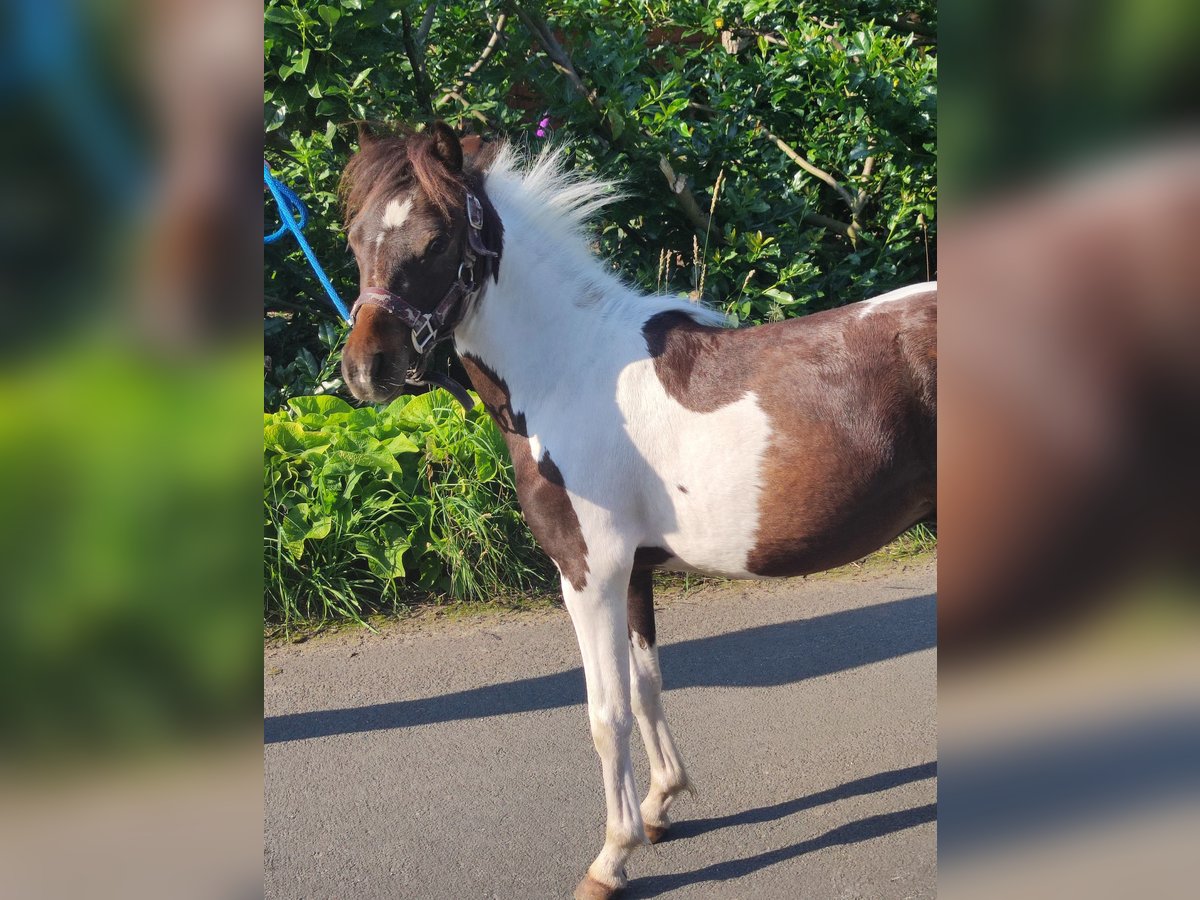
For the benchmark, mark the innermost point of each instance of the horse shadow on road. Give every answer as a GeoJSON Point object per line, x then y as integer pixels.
{"type": "Point", "coordinates": [765, 656]}
{"type": "Point", "coordinates": [854, 832]}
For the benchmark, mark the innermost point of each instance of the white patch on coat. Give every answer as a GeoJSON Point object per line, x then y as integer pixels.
{"type": "Point", "coordinates": [716, 457]}
{"type": "Point", "coordinates": [396, 213]}
{"type": "Point", "coordinates": [866, 307]}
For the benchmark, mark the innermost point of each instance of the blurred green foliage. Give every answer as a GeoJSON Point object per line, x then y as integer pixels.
{"type": "Point", "coordinates": [125, 606]}
{"type": "Point", "coordinates": [698, 89]}
{"type": "Point", "coordinates": [365, 506]}
{"type": "Point", "coordinates": [1050, 86]}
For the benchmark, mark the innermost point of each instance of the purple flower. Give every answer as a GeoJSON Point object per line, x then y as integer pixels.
{"type": "Point", "coordinates": [543, 127]}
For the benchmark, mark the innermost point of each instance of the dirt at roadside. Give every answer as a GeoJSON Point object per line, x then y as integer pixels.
{"type": "Point", "coordinates": [670, 589]}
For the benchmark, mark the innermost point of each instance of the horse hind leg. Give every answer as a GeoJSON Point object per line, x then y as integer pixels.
{"type": "Point", "coordinates": [668, 778]}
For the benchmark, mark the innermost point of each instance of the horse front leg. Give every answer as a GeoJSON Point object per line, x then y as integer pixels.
{"type": "Point", "coordinates": [668, 778]}
{"type": "Point", "coordinates": [599, 615]}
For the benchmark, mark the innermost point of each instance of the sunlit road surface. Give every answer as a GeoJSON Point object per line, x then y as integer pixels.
{"type": "Point", "coordinates": [454, 759]}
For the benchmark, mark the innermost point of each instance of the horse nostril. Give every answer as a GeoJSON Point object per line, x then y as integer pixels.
{"type": "Point", "coordinates": [376, 365]}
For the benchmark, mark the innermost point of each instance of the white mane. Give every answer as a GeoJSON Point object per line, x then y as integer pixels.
{"type": "Point", "coordinates": [557, 205]}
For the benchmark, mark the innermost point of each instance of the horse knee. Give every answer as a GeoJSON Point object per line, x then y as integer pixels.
{"type": "Point", "coordinates": [610, 731]}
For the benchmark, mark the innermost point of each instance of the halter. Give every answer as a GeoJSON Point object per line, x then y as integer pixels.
{"type": "Point", "coordinates": [431, 328]}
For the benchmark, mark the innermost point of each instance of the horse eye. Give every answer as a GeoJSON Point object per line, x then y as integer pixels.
{"type": "Point", "coordinates": [439, 245]}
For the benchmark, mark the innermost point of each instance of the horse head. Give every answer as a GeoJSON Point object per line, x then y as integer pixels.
{"type": "Point", "coordinates": [425, 238]}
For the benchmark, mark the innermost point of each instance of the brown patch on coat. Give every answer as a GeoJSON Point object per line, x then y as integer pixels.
{"type": "Point", "coordinates": [540, 489]}
{"type": "Point", "coordinates": [640, 597]}
{"type": "Point", "coordinates": [640, 605]}
{"type": "Point", "coordinates": [649, 557]}
{"type": "Point", "coordinates": [853, 407]}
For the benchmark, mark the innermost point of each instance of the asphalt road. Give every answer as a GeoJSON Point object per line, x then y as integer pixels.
{"type": "Point", "coordinates": [453, 760]}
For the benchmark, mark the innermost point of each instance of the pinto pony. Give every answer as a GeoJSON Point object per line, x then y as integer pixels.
{"type": "Point", "coordinates": [643, 432]}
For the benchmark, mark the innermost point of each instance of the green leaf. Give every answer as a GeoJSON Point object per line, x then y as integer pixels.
{"type": "Point", "coordinates": [384, 550]}
{"type": "Point", "coordinates": [401, 444]}
{"type": "Point", "coordinates": [330, 14]}
{"type": "Point", "coordinates": [617, 123]}
{"type": "Point", "coordinates": [291, 438]}
{"type": "Point", "coordinates": [275, 115]}
{"type": "Point", "coordinates": [319, 530]}
{"type": "Point", "coordinates": [323, 405]}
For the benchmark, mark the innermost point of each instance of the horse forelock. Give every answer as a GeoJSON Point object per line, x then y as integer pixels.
{"type": "Point", "coordinates": [387, 165]}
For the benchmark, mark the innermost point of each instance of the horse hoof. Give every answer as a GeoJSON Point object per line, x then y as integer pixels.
{"type": "Point", "coordinates": [591, 889]}
{"type": "Point", "coordinates": [655, 833]}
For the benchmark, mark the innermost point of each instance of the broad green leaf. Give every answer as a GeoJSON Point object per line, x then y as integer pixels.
{"type": "Point", "coordinates": [330, 14]}
{"type": "Point", "coordinates": [322, 404]}
{"type": "Point", "coordinates": [275, 115]}
{"type": "Point", "coordinates": [401, 444]}
{"type": "Point", "coordinates": [291, 437]}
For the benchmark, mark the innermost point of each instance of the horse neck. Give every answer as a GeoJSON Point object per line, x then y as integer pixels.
{"type": "Point", "coordinates": [554, 317]}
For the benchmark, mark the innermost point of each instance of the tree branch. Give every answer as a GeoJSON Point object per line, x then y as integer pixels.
{"type": "Point", "coordinates": [913, 25]}
{"type": "Point", "coordinates": [855, 202]}
{"type": "Point", "coordinates": [861, 198]}
{"type": "Point", "coordinates": [684, 196]}
{"type": "Point", "coordinates": [475, 113]}
{"type": "Point", "coordinates": [558, 56]}
{"type": "Point", "coordinates": [850, 230]}
{"type": "Point", "coordinates": [488, 50]}
{"type": "Point", "coordinates": [807, 166]}
{"type": "Point", "coordinates": [426, 24]}
{"type": "Point", "coordinates": [416, 58]}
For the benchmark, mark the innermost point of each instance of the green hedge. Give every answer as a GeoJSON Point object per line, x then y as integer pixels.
{"type": "Point", "coordinates": [708, 90]}
{"type": "Point", "coordinates": [364, 507]}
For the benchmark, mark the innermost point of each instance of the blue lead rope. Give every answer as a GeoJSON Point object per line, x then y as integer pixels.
{"type": "Point", "coordinates": [294, 216]}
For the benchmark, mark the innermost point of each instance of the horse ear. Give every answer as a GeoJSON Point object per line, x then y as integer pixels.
{"type": "Point", "coordinates": [447, 147]}
{"type": "Point", "coordinates": [365, 134]}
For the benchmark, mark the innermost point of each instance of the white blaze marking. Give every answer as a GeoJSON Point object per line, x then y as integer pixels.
{"type": "Point", "coordinates": [866, 307]}
{"type": "Point", "coordinates": [396, 212]}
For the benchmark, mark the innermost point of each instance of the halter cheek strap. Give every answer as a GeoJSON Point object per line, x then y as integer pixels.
{"type": "Point", "coordinates": [431, 328]}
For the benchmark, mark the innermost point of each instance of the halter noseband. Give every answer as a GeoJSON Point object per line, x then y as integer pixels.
{"type": "Point", "coordinates": [427, 327]}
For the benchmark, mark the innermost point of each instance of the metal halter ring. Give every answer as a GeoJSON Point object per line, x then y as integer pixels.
{"type": "Point", "coordinates": [474, 212]}
{"type": "Point", "coordinates": [423, 334]}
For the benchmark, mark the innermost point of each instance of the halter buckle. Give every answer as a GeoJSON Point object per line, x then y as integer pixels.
{"type": "Point", "coordinates": [474, 212]}
{"type": "Point", "coordinates": [423, 334]}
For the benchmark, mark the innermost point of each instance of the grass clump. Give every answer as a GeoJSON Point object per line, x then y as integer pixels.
{"type": "Point", "coordinates": [368, 509]}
